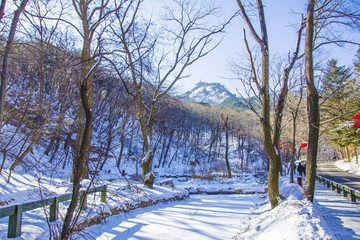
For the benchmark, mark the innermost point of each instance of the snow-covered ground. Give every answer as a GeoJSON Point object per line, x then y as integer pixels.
{"type": "Point", "coordinates": [223, 216]}
{"type": "Point", "coordinates": [200, 217]}
{"type": "Point", "coordinates": [351, 167]}
{"type": "Point", "coordinates": [293, 219]}
{"type": "Point", "coordinates": [339, 214]}
{"type": "Point", "coordinates": [122, 196]}
{"type": "Point", "coordinates": [239, 217]}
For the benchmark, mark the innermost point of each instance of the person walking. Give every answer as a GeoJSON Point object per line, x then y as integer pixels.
{"type": "Point", "coordinates": [300, 169]}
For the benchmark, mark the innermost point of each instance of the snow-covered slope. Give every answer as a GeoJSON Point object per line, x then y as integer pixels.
{"type": "Point", "coordinates": [352, 167]}
{"type": "Point", "coordinates": [212, 93]}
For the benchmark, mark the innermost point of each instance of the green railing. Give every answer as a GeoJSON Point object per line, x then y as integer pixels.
{"type": "Point", "coordinates": [339, 188]}
{"type": "Point", "coordinates": [15, 212]}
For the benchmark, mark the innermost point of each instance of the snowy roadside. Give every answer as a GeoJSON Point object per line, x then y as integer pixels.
{"type": "Point", "coordinates": [351, 167]}
{"type": "Point", "coordinates": [293, 219]}
{"type": "Point", "coordinates": [201, 216]}
{"type": "Point", "coordinates": [339, 213]}
{"type": "Point", "coordinates": [122, 196]}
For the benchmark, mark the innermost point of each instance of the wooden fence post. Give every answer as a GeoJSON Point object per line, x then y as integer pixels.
{"type": "Point", "coordinates": [54, 210]}
{"type": "Point", "coordinates": [332, 186]}
{"type": "Point", "coordinates": [353, 197]}
{"type": "Point", "coordinates": [345, 193]}
{"type": "Point", "coordinates": [338, 188]}
{"type": "Point", "coordinates": [14, 228]}
{"type": "Point", "coordinates": [15, 212]}
{"type": "Point", "coordinates": [103, 194]}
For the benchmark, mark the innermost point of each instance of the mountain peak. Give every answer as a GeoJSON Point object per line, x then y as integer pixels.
{"type": "Point", "coordinates": [212, 93]}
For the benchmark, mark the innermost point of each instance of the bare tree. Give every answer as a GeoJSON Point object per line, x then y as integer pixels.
{"type": "Point", "coordinates": [312, 106]}
{"type": "Point", "coordinates": [92, 15]}
{"type": "Point", "coordinates": [2, 9]}
{"type": "Point", "coordinates": [148, 76]}
{"type": "Point", "coordinates": [270, 138]}
{"type": "Point", "coordinates": [294, 110]}
{"type": "Point", "coordinates": [225, 123]}
{"type": "Point", "coordinates": [326, 22]}
{"type": "Point", "coordinates": [8, 48]}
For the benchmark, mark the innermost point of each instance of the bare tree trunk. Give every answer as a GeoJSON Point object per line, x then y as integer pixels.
{"type": "Point", "coordinates": [146, 125]}
{"type": "Point", "coordinates": [348, 153]}
{"type": "Point", "coordinates": [294, 118]}
{"type": "Point", "coordinates": [263, 88]}
{"type": "Point", "coordinates": [2, 9]}
{"type": "Point", "coordinates": [85, 87]}
{"type": "Point", "coordinates": [356, 155]}
{"type": "Point", "coordinates": [292, 163]}
{"type": "Point", "coordinates": [107, 149]}
{"type": "Point", "coordinates": [312, 106]}
{"type": "Point", "coordinates": [8, 48]}
{"type": "Point", "coordinates": [240, 146]}
{"type": "Point", "coordinates": [90, 20]}
{"type": "Point", "coordinates": [162, 149]}
{"type": "Point", "coordinates": [270, 142]}
{"type": "Point", "coordinates": [225, 123]}
{"type": "Point", "coordinates": [168, 147]}
{"type": "Point", "coordinates": [109, 138]}
{"type": "Point", "coordinates": [79, 164]}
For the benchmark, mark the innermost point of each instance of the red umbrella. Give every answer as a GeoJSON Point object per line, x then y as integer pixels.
{"type": "Point", "coordinates": [356, 116]}
{"type": "Point", "coordinates": [303, 145]}
{"type": "Point", "coordinates": [356, 124]}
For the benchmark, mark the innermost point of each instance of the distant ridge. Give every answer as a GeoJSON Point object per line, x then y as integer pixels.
{"type": "Point", "coordinates": [212, 93]}
{"type": "Point", "coordinates": [216, 94]}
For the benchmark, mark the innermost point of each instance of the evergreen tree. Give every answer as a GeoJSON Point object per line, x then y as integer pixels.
{"type": "Point", "coordinates": [340, 92]}
{"type": "Point", "coordinates": [337, 90]}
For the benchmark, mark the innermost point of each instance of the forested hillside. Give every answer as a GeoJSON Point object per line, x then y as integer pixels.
{"type": "Point", "coordinates": [183, 132]}
{"type": "Point", "coordinates": [86, 95]}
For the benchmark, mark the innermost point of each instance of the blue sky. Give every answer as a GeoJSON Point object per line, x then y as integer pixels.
{"type": "Point", "coordinates": [281, 26]}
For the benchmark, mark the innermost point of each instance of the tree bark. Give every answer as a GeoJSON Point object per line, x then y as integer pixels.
{"type": "Point", "coordinates": [8, 48]}
{"type": "Point", "coordinates": [263, 88]}
{"type": "Point", "coordinates": [312, 106]}
{"type": "Point", "coordinates": [79, 163]}
{"type": "Point", "coordinates": [225, 123]}
{"type": "Point", "coordinates": [168, 148]}
{"type": "Point", "coordinates": [2, 9]}
{"type": "Point", "coordinates": [294, 115]}
{"type": "Point", "coordinates": [85, 115]}
{"type": "Point", "coordinates": [270, 141]}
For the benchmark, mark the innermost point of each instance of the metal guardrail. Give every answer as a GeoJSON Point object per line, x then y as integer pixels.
{"type": "Point", "coordinates": [15, 212]}
{"type": "Point", "coordinates": [340, 188]}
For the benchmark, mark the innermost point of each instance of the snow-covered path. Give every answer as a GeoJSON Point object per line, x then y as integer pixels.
{"type": "Point", "coordinates": [200, 217]}
{"type": "Point", "coordinates": [340, 215]}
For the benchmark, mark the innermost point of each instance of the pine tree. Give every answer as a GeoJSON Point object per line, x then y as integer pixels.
{"type": "Point", "coordinates": [337, 90]}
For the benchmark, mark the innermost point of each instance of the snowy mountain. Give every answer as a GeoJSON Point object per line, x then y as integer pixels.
{"type": "Point", "coordinates": [212, 93]}
{"type": "Point", "coordinates": [216, 94]}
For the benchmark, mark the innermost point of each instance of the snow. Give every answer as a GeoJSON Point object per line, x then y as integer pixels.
{"type": "Point", "coordinates": [293, 219]}
{"type": "Point", "coordinates": [351, 167]}
{"type": "Point", "coordinates": [202, 216]}
{"type": "Point", "coordinates": [299, 222]}
{"type": "Point", "coordinates": [338, 213]}
{"type": "Point", "coordinates": [331, 216]}
{"type": "Point", "coordinates": [122, 196]}
{"type": "Point", "coordinates": [212, 93]}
